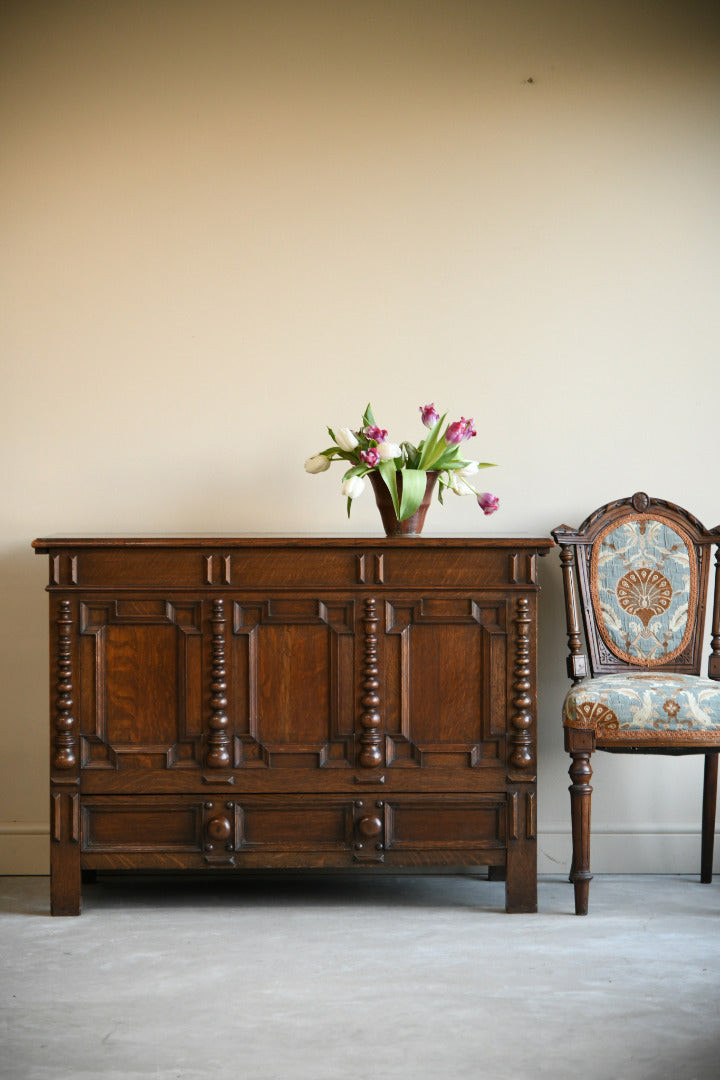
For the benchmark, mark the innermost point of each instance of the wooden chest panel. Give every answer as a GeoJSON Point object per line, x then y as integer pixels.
{"type": "Point", "coordinates": [141, 825]}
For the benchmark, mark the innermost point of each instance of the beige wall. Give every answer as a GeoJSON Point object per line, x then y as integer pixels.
{"type": "Point", "coordinates": [228, 224]}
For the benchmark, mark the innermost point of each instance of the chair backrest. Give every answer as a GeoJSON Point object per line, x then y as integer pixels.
{"type": "Point", "coordinates": [639, 570]}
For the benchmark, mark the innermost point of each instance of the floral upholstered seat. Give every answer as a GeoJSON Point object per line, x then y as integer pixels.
{"type": "Point", "coordinates": [644, 705]}
{"type": "Point", "coordinates": [639, 568]}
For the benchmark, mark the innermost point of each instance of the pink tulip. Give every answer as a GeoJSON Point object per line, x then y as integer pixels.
{"type": "Point", "coordinates": [429, 415]}
{"type": "Point", "coordinates": [488, 503]}
{"type": "Point", "coordinates": [370, 456]}
{"type": "Point", "coordinates": [377, 434]}
{"type": "Point", "coordinates": [460, 430]}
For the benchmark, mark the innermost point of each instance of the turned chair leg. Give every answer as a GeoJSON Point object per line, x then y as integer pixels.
{"type": "Point", "coordinates": [708, 816]}
{"type": "Point", "coordinates": [580, 792]}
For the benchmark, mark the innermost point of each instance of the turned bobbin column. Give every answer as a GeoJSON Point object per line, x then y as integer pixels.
{"type": "Point", "coordinates": [370, 756]}
{"type": "Point", "coordinates": [218, 754]}
{"type": "Point", "coordinates": [64, 775]}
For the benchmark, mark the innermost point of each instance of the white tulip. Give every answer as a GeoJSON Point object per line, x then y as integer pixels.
{"type": "Point", "coordinates": [471, 469]}
{"type": "Point", "coordinates": [353, 486]}
{"type": "Point", "coordinates": [317, 463]}
{"type": "Point", "coordinates": [388, 451]}
{"type": "Point", "coordinates": [458, 484]}
{"type": "Point", "coordinates": [345, 438]}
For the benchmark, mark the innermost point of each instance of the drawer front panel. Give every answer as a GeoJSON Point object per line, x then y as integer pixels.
{"type": "Point", "coordinates": [141, 825]}
{"type": "Point", "coordinates": [314, 825]}
{"type": "Point", "coordinates": [453, 823]}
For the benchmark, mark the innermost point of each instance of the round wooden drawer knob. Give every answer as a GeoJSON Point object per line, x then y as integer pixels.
{"type": "Point", "coordinates": [369, 826]}
{"type": "Point", "coordinates": [219, 828]}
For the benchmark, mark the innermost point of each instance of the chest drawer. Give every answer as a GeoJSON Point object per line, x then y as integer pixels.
{"type": "Point", "coordinates": [406, 829]}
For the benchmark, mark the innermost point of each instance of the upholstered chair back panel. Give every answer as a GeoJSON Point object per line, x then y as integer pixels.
{"type": "Point", "coordinates": [644, 588]}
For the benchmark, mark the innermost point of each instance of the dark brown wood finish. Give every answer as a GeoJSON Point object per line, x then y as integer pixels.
{"type": "Point", "coordinates": [223, 703]}
{"type": "Point", "coordinates": [576, 547]}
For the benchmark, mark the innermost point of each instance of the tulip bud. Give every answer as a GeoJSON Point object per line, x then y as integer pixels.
{"type": "Point", "coordinates": [429, 415]}
{"type": "Point", "coordinates": [317, 463]}
{"type": "Point", "coordinates": [370, 456]}
{"type": "Point", "coordinates": [488, 503]}
{"type": "Point", "coordinates": [345, 438]}
{"type": "Point", "coordinates": [353, 486]}
{"type": "Point", "coordinates": [388, 451]}
{"type": "Point", "coordinates": [460, 430]}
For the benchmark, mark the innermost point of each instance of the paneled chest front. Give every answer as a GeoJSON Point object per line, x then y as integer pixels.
{"type": "Point", "coordinates": [223, 703]}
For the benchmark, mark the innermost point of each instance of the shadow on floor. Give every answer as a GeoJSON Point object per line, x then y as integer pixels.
{"type": "Point", "coordinates": [456, 890]}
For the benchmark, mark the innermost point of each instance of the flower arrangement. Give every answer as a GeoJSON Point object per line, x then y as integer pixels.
{"type": "Point", "coordinates": [369, 450]}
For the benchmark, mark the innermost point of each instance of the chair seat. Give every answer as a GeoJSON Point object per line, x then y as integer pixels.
{"type": "Point", "coordinates": [658, 706]}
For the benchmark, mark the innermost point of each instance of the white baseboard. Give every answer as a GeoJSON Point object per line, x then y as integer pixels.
{"type": "Point", "coordinates": [651, 848]}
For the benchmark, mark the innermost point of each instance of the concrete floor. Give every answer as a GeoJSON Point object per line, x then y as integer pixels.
{"type": "Point", "coordinates": [352, 978]}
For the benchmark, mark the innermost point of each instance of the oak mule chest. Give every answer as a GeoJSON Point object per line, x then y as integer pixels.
{"type": "Point", "coordinates": [224, 703]}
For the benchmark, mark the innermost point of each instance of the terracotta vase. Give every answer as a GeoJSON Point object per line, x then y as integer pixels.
{"type": "Point", "coordinates": [412, 526]}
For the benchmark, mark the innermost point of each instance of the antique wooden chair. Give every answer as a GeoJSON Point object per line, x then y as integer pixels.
{"type": "Point", "coordinates": [639, 568]}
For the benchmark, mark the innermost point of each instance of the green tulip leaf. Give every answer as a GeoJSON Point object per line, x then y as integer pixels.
{"type": "Point", "coordinates": [448, 459]}
{"type": "Point", "coordinates": [356, 470]}
{"type": "Point", "coordinates": [414, 483]}
{"type": "Point", "coordinates": [411, 454]}
{"type": "Point", "coordinates": [368, 419]}
{"type": "Point", "coordinates": [389, 474]}
{"type": "Point", "coordinates": [430, 448]}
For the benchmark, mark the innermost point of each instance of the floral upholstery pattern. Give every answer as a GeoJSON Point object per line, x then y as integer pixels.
{"type": "Point", "coordinates": [643, 579]}
{"type": "Point", "coordinates": [645, 704]}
